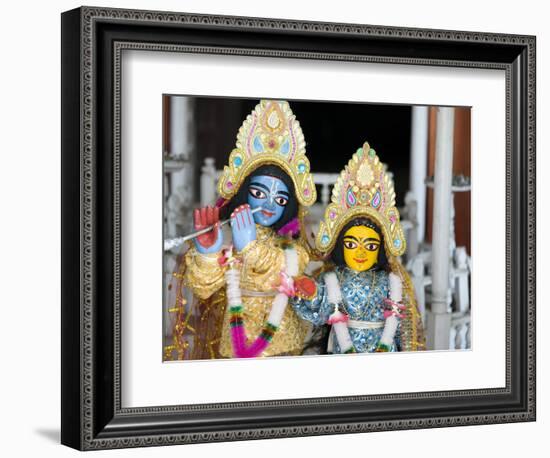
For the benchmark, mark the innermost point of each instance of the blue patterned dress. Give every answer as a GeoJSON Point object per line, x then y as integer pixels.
{"type": "Point", "coordinates": [363, 294]}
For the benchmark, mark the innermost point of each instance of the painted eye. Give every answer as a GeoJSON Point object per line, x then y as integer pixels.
{"type": "Point", "coordinates": [350, 245]}
{"type": "Point", "coordinates": [282, 201]}
{"type": "Point", "coordinates": [256, 193]}
{"type": "Point", "coordinates": [372, 246]}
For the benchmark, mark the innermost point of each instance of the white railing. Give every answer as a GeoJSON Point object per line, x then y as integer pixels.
{"type": "Point", "coordinates": [459, 337]}
{"type": "Point", "coordinates": [420, 269]}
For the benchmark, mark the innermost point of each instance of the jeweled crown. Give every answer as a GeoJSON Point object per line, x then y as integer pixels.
{"type": "Point", "coordinates": [270, 135]}
{"type": "Point", "coordinates": [364, 188]}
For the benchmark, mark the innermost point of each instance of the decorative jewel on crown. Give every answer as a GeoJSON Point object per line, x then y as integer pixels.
{"type": "Point", "coordinates": [270, 135]}
{"type": "Point", "coordinates": [364, 188]}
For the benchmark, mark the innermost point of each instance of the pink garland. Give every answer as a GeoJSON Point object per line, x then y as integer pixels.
{"type": "Point", "coordinates": [238, 339]}
{"type": "Point", "coordinates": [238, 334]}
{"type": "Point", "coordinates": [255, 349]}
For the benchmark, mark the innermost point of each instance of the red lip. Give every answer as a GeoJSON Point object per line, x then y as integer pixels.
{"type": "Point", "coordinates": [267, 213]}
{"type": "Point", "coordinates": [359, 260]}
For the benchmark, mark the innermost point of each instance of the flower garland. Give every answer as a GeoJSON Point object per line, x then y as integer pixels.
{"type": "Point", "coordinates": [392, 314]}
{"type": "Point", "coordinates": [234, 301]}
{"type": "Point", "coordinates": [338, 319]}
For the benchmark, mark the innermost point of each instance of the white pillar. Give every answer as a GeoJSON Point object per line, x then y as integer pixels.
{"type": "Point", "coordinates": [419, 164]}
{"type": "Point", "coordinates": [439, 318]}
{"type": "Point", "coordinates": [181, 196]}
{"type": "Point", "coordinates": [182, 147]}
{"type": "Point", "coordinates": [208, 182]}
{"type": "Point", "coordinates": [417, 276]}
{"type": "Point", "coordinates": [179, 127]}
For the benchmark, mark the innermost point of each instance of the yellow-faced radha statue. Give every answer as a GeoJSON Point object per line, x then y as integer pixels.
{"type": "Point", "coordinates": [364, 292]}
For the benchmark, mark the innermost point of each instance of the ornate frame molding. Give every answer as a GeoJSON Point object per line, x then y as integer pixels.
{"type": "Point", "coordinates": [100, 420]}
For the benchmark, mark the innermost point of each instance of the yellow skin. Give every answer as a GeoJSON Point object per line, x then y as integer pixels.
{"type": "Point", "coordinates": [361, 247]}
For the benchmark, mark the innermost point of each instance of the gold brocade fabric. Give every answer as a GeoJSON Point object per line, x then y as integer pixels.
{"type": "Point", "coordinates": [262, 262]}
{"type": "Point", "coordinates": [412, 331]}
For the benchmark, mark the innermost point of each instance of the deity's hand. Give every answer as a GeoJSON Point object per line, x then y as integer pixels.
{"type": "Point", "coordinates": [243, 227]}
{"type": "Point", "coordinates": [211, 242]}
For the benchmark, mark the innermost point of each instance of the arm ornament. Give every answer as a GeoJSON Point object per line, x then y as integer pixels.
{"type": "Point", "coordinates": [393, 314]}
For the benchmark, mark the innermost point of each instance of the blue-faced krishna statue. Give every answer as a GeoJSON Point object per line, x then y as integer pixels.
{"type": "Point", "coordinates": [243, 283]}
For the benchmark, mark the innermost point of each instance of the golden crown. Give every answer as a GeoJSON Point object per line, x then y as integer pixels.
{"type": "Point", "coordinates": [363, 188]}
{"type": "Point", "coordinates": [270, 135]}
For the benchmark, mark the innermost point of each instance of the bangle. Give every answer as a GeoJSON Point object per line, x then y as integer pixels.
{"type": "Point", "coordinates": [382, 348]}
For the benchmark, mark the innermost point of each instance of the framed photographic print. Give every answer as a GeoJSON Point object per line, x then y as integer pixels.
{"type": "Point", "coordinates": [276, 228]}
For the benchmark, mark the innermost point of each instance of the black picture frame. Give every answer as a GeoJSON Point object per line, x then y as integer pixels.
{"type": "Point", "coordinates": [92, 40]}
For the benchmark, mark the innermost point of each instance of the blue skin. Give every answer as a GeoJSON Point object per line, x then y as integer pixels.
{"type": "Point", "coordinates": [272, 195]}
{"type": "Point", "coordinates": [264, 191]}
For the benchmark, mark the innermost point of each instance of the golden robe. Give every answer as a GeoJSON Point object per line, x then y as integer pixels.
{"type": "Point", "coordinates": [262, 261]}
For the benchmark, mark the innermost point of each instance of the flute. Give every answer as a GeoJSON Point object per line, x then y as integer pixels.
{"type": "Point", "coordinates": [177, 241]}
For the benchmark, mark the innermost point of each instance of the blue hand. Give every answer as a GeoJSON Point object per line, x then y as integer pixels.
{"type": "Point", "coordinates": [243, 227]}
